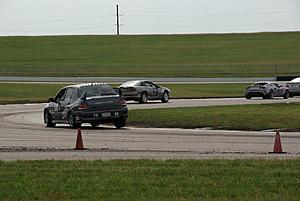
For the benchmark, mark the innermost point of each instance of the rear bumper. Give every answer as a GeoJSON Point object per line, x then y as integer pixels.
{"type": "Point", "coordinates": [256, 93]}
{"type": "Point", "coordinates": [100, 116]}
{"type": "Point", "coordinates": [131, 96]}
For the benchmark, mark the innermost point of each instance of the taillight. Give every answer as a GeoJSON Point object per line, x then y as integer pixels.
{"type": "Point", "coordinates": [83, 106]}
{"type": "Point", "coordinates": [122, 101]}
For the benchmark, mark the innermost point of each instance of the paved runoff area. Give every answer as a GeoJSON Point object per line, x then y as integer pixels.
{"type": "Point", "coordinates": [24, 137]}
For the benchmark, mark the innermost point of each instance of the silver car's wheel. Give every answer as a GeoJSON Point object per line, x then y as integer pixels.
{"type": "Point", "coordinates": [286, 95]}
{"type": "Point", "coordinates": [165, 97]}
{"type": "Point", "coordinates": [143, 98]}
{"type": "Point", "coordinates": [271, 94]}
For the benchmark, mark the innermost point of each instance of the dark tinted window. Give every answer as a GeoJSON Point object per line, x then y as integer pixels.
{"type": "Point", "coordinates": [69, 94]}
{"type": "Point", "coordinates": [61, 95]}
{"type": "Point", "coordinates": [260, 84]}
{"type": "Point", "coordinates": [97, 90]}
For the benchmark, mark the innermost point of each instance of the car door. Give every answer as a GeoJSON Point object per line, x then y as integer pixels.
{"type": "Point", "coordinates": [278, 91]}
{"type": "Point", "coordinates": [59, 98]}
{"type": "Point", "coordinates": [66, 102]}
{"type": "Point", "coordinates": [149, 89]}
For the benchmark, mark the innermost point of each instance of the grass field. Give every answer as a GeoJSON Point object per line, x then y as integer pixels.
{"type": "Point", "coordinates": [151, 180]}
{"type": "Point", "coordinates": [237, 117]}
{"type": "Point", "coordinates": [207, 55]}
{"type": "Point", "coordinates": [33, 93]}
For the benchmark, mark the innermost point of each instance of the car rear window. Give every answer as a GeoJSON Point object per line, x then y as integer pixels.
{"type": "Point", "coordinates": [97, 90]}
{"type": "Point", "coordinates": [260, 84]}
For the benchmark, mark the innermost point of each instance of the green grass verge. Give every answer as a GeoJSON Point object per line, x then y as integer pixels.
{"type": "Point", "coordinates": [32, 93]}
{"type": "Point", "coordinates": [151, 180]}
{"type": "Point", "coordinates": [237, 117]}
{"type": "Point", "coordinates": [206, 55]}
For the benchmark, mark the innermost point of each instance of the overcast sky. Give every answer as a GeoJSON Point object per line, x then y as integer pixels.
{"type": "Point", "coordinates": [49, 17]}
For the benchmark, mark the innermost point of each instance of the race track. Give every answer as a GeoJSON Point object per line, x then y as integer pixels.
{"type": "Point", "coordinates": [23, 136]}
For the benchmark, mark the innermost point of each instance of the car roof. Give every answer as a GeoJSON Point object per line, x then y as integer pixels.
{"type": "Point", "coordinates": [133, 82]}
{"type": "Point", "coordinates": [85, 84]}
{"type": "Point", "coordinates": [296, 80]}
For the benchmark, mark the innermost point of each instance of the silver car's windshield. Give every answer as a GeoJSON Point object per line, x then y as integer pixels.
{"type": "Point", "coordinates": [97, 90]}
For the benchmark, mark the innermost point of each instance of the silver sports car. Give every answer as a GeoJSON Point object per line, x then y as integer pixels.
{"type": "Point", "coordinates": [144, 90]}
{"type": "Point", "coordinates": [266, 90]}
{"type": "Point", "coordinates": [294, 87]}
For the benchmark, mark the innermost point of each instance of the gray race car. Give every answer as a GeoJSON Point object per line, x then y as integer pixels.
{"type": "Point", "coordinates": [144, 90]}
{"type": "Point", "coordinates": [92, 103]}
{"type": "Point", "coordinates": [266, 90]}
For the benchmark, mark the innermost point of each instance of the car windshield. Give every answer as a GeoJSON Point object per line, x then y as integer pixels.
{"type": "Point", "coordinates": [97, 90]}
{"type": "Point", "coordinates": [260, 84]}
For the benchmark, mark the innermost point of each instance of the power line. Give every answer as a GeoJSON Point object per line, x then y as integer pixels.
{"type": "Point", "coordinates": [56, 20]}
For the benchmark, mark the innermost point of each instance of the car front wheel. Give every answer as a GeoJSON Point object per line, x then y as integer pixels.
{"type": "Point", "coordinates": [165, 97]}
{"type": "Point", "coordinates": [119, 123]}
{"type": "Point", "coordinates": [271, 94]}
{"type": "Point", "coordinates": [48, 119]}
{"type": "Point", "coordinates": [286, 95]}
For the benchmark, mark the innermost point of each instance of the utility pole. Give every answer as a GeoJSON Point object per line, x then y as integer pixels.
{"type": "Point", "coordinates": [118, 22]}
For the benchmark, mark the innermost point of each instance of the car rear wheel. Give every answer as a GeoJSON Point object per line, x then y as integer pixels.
{"type": "Point", "coordinates": [286, 95]}
{"type": "Point", "coordinates": [72, 121]}
{"type": "Point", "coordinates": [143, 98]}
{"type": "Point", "coordinates": [271, 94]}
{"type": "Point", "coordinates": [48, 119]}
{"type": "Point", "coordinates": [248, 97]}
{"type": "Point", "coordinates": [119, 123]}
{"type": "Point", "coordinates": [94, 125]}
{"type": "Point", "coordinates": [165, 97]}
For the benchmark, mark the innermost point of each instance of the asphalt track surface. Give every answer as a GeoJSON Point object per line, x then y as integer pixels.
{"type": "Point", "coordinates": [24, 137]}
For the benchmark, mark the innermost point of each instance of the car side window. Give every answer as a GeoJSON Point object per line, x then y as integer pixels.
{"type": "Point", "coordinates": [69, 94]}
{"type": "Point", "coordinates": [147, 84]}
{"type": "Point", "coordinates": [61, 95]}
{"type": "Point", "coordinates": [276, 85]}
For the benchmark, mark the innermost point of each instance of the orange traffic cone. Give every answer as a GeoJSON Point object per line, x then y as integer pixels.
{"type": "Point", "coordinates": [277, 144]}
{"type": "Point", "coordinates": [79, 143]}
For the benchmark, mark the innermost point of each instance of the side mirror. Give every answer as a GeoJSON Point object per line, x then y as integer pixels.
{"type": "Point", "coordinates": [50, 100]}
{"type": "Point", "coordinates": [83, 96]}
{"type": "Point", "coordinates": [118, 90]}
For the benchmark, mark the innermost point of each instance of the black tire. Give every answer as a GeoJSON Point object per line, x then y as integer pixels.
{"type": "Point", "coordinates": [72, 121]}
{"type": "Point", "coordinates": [94, 125]}
{"type": "Point", "coordinates": [119, 123]}
{"type": "Point", "coordinates": [143, 98]}
{"type": "Point", "coordinates": [48, 119]}
{"type": "Point", "coordinates": [271, 94]}
{"type": "Point", "coordinates": [248, 97]}
{"type": "Point", "coordinates": [165, 97]}
{"type": "Point", "coordinates": [286, 95]}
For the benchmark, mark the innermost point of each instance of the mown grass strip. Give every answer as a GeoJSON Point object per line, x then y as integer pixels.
{"type": "Point", "coordinates": [238, 117]}
{"type": "Point", "coordinates": [39, 92]}
{"type": "Point", "coordinates": [203, 55]}
{"type": "Point", "coordinates": [151, 180]}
